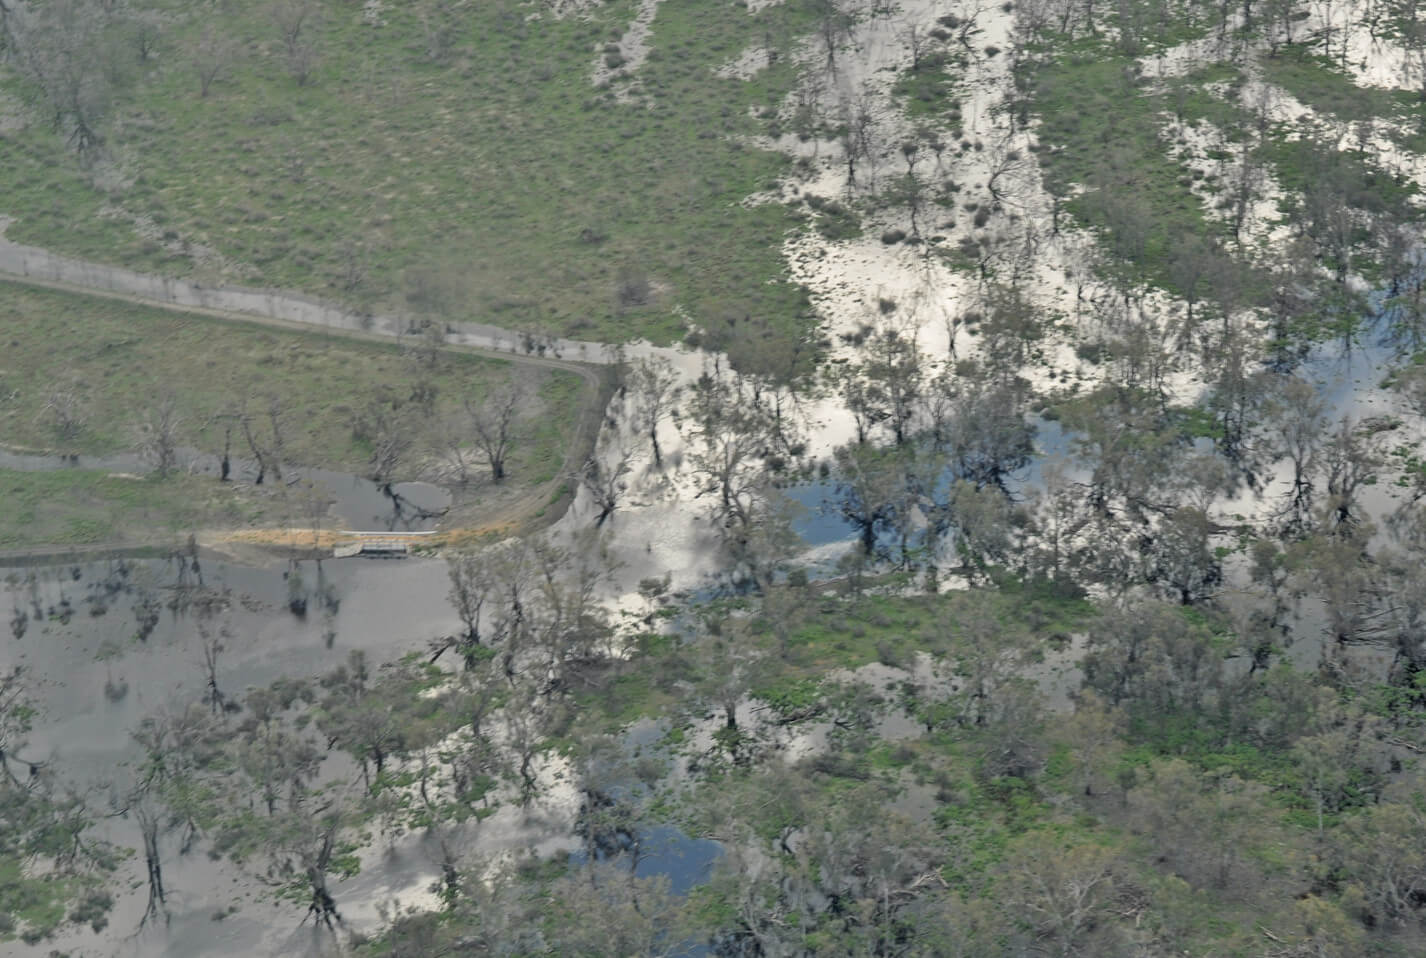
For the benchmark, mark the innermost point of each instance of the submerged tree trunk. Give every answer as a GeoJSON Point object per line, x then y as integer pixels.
{"type": "Point", "coordinates": [149, 826]}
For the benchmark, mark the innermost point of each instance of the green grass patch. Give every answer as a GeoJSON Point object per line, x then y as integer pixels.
{"type": "Point", "coordinates": [33, 907]}
{"type": "Point", "coordinates": [1103, 130]}
{"type": "Point", "coordinates": [534, 199]}
{"type": "Point", "coordinates": [117, 359]}
{"type": "Point", "coordinates": [1321, 83]}
{"type": "Point", "coordinates": [82, 507]}
{"type": "Point", "coordinates": [931, 90]}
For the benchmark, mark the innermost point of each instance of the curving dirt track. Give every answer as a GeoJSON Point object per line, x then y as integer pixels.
{"type": "Point", "coordinates": [537, 507]}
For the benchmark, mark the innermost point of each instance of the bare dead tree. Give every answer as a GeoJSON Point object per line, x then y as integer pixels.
{"type": "Point", "coordinates": [1006, 160]}
{"type": "Point", "coordinates": [473, 584]}
{"type": "Point", "coordinates": [493, 420]}
{"type": "Point", "coordinates": [265, 444]}
{"type": "Point", "coordinates": [267, 449]}
{"type": "Point", "coordinates": [835, 22]}
{"type": "Point", "coordinates": [438, 27]}
{"type": "Point", "coordinates": [655, 383]}
{"type": "Point", "coordinates": [159, 434]}
{"type": "Point", "coordinates": [212, 56]}
{"type": "Point", "coordinates": [856, 117]}
{"type": "Point", "coordinates": [916, 38]}
{"type": "Point", "coordinates": [61, 48]}
{"type": "Point", "coordinates": [258, 450]}
{"type": "Point", "coordinates": [145, 34]}
{"type": "Point", "coordinates": [355, 266]}
{"type": "Point", "coordinates": [64, 409]}
{"type": "Point", "coordinates": [211, 646]}
{"type": "Point", "coordinates": [7, 33]}
{"type": "Point", "coordinates": [392, 436]}
{"type": "Point", "coordinates": [605, 482]}
{"type": "Point", "coordinates": [225, 461]}
{"type": "Point", "coordinates": [451, 445]}
{"type": "Point", "coordinates": [297, 23]}
{"type": "Point", "coordinates": [150, 820]}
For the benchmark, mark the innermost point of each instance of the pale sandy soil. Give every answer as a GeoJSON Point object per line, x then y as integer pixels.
{"type": "Point", "coordinates": [1372, 61]}
{"type": "Point", "coordinates": [745, 65]}
{"type": "Point", "coordinates": [633, 47]}
{"type": "Point", "coordinates": [662, 516]}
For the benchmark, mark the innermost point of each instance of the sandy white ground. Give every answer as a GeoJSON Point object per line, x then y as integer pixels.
{"type": "Point", "coordinates": [1373, 61]}
{"type": "Point", "coordinates": [633, 50]}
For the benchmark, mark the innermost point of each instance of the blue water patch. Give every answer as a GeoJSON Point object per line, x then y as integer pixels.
{"type": "Point", "coordinates": [819, 523]}
{"type": "Point", "coordinates": [688, 862]}
{"type": "Point", "coordinates": [665, 850]}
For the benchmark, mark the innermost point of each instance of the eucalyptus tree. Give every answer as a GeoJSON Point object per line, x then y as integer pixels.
{"type": "Point", "coordinates": [1130, 447]}
{"type": "Point", "coordinates": [573, 641]}
{"type": "Point", "coordinates": [495, 424]}
{"type": "Point", "coordinates": [656, 386]}
{"type": "Point", "coordinates": [1297, 416]}
{"type": "Point", "coordinates": [734, 442]}
{"type": "Point", "coordinates": [981, 426]}
{"type": "Point", "coordinates": [617, 792]}
{"type": "Point", "coordinates": [894, 374]}
{"type": "Point", "coordinates": [873, 494]}
{"type": "Point", "coordinates": [1153, 660]}
{"type": "Point", "coordinates": [256, 787]}
{"type": "Point", "coordinates": [66, 49]}
{"type": "Point", "coordinates": [1203, 822]}
{"type": "Point", "coordinates": [49, 849]}
{"type": "Point", "coordinates": [1239, 392]}
{"type": "Point", "coordinates": [473, 586]}
{"type": "Point", "coordinates": [849, 872]}
{"type": "Point", "coordinates": [1062, 895]}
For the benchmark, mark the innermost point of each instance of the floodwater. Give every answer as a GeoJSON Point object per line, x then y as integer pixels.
{"type": "Point", "coordinates": [665, 850]}
{"type": "Point", "coordinates": [92, 680]}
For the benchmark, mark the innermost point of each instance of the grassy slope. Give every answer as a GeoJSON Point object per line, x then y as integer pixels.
{"type": "Point", "coordinates": [835, 633]}
{"type": "Point", "coordinates": [121, 357]}
{"type": "Point", "coordinates": [83, 507]}
{"type": "Point", "coordinates": [1106, 131]}
{"type": "Point", "coordinates": [1321, 84]}
{"type": "Point", "coordinates": [34, 906]}
{"type": "Point", "coordinates": [489, 165]}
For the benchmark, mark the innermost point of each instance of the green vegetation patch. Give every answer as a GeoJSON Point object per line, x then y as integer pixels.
{"type": "Point", "coordinates": [1320, 83]}
{"type": "Point", "coordinates": [109, 363]}
{"type": "Point", "coordinates": [930, 88]}
{"type": "Point", "coordinates": [1102, 129]}
{"type": "Point", "coordinates": [456, 157]}
{"type": "Point", "coordinates": [83, 507]}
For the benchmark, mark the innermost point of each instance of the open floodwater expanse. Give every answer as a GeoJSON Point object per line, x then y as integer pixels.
{"type": "Point", "coordinates": [105, 642]}
{"type": "Point", "coordinates": [92, 680]}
